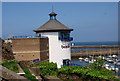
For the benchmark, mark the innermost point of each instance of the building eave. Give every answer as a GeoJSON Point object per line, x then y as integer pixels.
{"type": "Point", "coordinates": [53, 30]}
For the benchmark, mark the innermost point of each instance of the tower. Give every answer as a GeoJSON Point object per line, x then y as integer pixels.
{"type": "Point", "coordinates": [59, 39]}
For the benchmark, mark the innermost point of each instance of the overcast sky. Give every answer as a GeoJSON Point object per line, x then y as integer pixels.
{"type": "Point", "coordinates": [91, 21]}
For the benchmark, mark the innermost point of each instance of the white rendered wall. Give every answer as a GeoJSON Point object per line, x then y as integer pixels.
{"type": "Point", "coordinates": [56, 52]}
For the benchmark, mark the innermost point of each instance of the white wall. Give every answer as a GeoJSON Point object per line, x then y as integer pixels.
{"type": "Point", "coordinates": [56, 53]}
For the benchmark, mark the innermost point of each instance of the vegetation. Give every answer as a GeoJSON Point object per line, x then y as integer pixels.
{"type": "Point", "coordinates": [48, 69]}
{"type": "Point", "coordinates": [85, 73]}
{"type": "Point", "coordinates": [92, 72]}
{"type": "Point", "coordinates": [26, 70]}
{"type": "Point", "coordinates": [28, 74]}
{"type": "Point", "coordinates": [11, 64]}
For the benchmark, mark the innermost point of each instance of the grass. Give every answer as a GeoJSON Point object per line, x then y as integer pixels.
{"type": "Point", "coordinates": [28, 74]}
{"type": "Point", "coordinates": [11, 65]}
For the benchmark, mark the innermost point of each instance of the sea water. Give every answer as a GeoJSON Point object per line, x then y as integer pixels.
{"type": "Point", "coordinates": [95, 43]}
{"type": "Point", "coordinates": [91, 44]}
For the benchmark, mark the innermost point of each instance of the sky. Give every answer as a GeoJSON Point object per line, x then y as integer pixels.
{"type": "Point", "coordinates": [91, 21]}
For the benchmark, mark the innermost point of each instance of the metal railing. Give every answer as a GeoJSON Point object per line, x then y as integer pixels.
{"type": "Point", "coordinates": [29, 37]}
{"type": "Point", "coordinates": [66, 39]}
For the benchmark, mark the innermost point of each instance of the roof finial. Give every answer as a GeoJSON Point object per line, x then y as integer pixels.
{"type": "Point", "coordinates": [52, 14]}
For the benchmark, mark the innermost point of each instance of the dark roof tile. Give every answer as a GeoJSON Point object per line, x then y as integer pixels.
{"type": "Point", "coordinates": [53, 25]}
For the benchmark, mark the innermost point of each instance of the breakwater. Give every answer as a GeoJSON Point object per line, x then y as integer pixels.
{"type": "Point", "coordinates": [96, 50]}
{"type": "Point", "coordinates": [96, 46]}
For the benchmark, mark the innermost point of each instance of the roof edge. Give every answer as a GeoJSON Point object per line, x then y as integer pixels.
{"type": "Point", "coordinates": [53, 30]}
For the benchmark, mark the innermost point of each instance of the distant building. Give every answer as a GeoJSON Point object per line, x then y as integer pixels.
{"type": "Point", "coordinates": [30, 48]}
{"type": "Point", "coordinates": [59, 40]}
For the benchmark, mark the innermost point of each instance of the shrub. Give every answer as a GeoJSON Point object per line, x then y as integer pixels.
{"type": "Point", "coordinates": [48, 69]}
{"type": "Point", "coordinates": [11, 64]}
{"type": "Point", "coordinates": [85, 73]}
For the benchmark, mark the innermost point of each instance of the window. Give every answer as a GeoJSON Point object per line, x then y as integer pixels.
{"type": "Point", "coordinates": [64, 34]}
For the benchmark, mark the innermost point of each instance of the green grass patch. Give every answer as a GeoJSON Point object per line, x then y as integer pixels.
{"type": "Point", "coordinates": [28, 74]}
{"type": "Point", "coordinates": [11, 65]}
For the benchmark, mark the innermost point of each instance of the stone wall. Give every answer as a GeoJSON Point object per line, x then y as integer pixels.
{"type": "Point", "coordinates": [27, 56]}
{"type": "Point", "coordinates": [30, 48]}
{"type": "Point", "coordinates": [25, 44]}
{"type": "Point", "coordinates": [10, 75]}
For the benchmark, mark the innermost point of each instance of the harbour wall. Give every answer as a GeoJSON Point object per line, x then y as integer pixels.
{"type": "Point", "coordinates": [101, 50]}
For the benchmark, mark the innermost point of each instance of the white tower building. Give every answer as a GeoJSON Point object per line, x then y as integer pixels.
{"type": "Point", "coordinates": [59, 40]}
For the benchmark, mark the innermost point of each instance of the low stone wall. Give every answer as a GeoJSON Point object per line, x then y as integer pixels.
{"type": "Point", "coordinates": [74, 77]}
{"type": "Point", "coordinates": [52, 78]}
{"type": "Point", "coordinates": [10, 75]}
{"type": "Point", "coordinates": [36, 71]}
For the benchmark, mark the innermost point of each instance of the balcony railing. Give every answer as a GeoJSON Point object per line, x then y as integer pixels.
{"type": "Point", "coordinates": [29, 37]}
{"type": "Point", "coordinates": [66, 39]}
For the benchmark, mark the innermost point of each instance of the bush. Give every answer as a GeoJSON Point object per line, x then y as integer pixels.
{"type": "Point", "coordinates": [48, 69]}
{"type": "Point", "coordinates": [85, 73]}
{"type": "Point", "coordinates": [12, 65]}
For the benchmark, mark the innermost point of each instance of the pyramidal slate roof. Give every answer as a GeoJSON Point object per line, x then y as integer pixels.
{"type": "Point", "coordinates": [52, 25]}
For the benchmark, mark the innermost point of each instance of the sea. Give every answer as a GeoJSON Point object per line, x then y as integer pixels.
{"type": "Point", "coordinates": [92, 44]}
{"type": "Point", "coordinates": [95, 43]}
{"type": "Point", "coordinates": [77, 61]}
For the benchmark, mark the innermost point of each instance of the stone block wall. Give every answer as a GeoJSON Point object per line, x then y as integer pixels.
{"type": "Point", "coordinates": [30, 48]}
